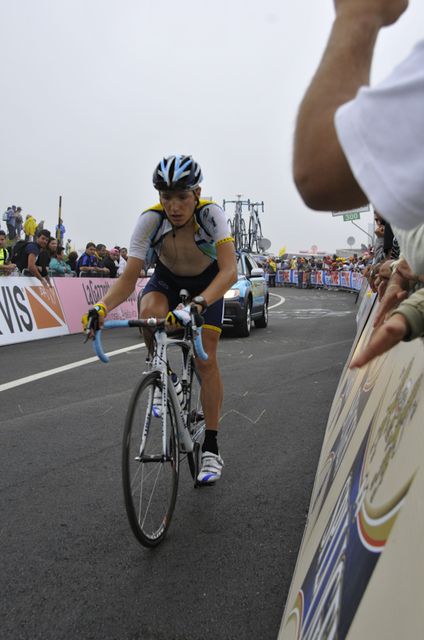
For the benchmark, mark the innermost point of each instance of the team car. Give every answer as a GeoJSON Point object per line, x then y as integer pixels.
{"type": "Point", "coordinates": [248, 298]}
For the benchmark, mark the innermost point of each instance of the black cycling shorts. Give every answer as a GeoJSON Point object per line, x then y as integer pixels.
{"type": "Point", "coordinates": [166, 282]}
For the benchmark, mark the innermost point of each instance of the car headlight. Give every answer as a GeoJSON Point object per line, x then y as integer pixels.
{"type": "Point", "coordinates": [231, 293]}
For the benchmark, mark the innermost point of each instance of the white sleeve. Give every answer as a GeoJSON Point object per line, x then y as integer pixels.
{"type": "Point", "coordinates": [145, 230]}
{"type": "Point", "coordinates": [411, 245]}
{"type": "Point", "coordinates": [381, 132]}
{"type": "Point", "coordinates": [215, 223]}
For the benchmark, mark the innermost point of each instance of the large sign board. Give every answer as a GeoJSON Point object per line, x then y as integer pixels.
{"type": "Point", "coordinates": [359, 570]}
{"type": "Point", "coordinates": [29, 311]}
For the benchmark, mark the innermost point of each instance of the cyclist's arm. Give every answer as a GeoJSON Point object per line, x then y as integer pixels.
{"type": "Point", "coordinates": [124, 285]}
{"type": "Point", "coordinates": [227, 276]}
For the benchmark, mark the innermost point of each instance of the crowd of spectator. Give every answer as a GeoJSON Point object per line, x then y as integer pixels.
{"type": "Point", "coordinates": [27, 248]}
{"type": "Point", "coordinates": [305, 265]}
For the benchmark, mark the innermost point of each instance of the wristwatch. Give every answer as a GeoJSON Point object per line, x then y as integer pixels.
{"type": "Point", "coordinates": [201, 302]}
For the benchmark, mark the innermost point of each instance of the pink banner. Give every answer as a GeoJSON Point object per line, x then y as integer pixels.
{"type": "Point", "coordinates": [78, 294]}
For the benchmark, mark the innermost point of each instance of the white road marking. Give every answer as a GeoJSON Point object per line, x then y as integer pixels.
{"type": "Point", "coordinates": [281, 301]}
{"type": "Point", "coordinates": [80, 363]}
{"type": "Point", "coordinates": [66, 367]}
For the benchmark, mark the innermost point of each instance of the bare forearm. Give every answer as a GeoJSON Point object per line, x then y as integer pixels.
{"type": "Point", "coordinates": [321, 171]}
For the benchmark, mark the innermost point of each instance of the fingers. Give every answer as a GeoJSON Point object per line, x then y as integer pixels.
{"type": "Point", "coordinates": [393, 296]}
{"type": "Point", "coordinates": [382, 289]}
{"type": "Point", "coordinates": [382, 339]}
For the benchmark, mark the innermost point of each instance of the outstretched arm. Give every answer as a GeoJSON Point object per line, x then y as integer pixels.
{"type": "Point", "coordinates": [321, 171]}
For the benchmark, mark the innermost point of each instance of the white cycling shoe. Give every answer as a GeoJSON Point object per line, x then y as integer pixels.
{"type": "Point", "coordinates": [211, 468]}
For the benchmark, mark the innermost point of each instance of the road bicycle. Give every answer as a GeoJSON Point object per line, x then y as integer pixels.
{"type": "Point", "coordinates": [237, 223]}
{"type": "Point", "coordinates": [163, 426]}
{"type": "Point", "coordinates": [255, 230]}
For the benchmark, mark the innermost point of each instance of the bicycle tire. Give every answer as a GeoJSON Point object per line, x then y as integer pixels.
{"type": "Point", "coordinates": [150, 481]}
{"type": "Point", "coordinates": [195, 422]}
{"type": "Point", "coordinates": [243, 234]}
{"type": "Point", "coordinates": [258, 236]}
{"type": "Point", "coordinates": [251, 235]}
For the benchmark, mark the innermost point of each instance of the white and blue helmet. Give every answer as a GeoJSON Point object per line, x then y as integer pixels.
{"type": "Point", "coordinates": [177, 173]}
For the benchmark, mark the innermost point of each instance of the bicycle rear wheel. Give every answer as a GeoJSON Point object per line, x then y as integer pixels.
{"type": "Point", "coordinates": [150, 476]}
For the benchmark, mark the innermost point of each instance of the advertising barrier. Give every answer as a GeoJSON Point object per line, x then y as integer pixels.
{"type": "Point", "coordinates": [30, 311]}
{"type": "Point", "coordinates": [360, 566]}
{"type": "Point", "coordinates": [78, 294]}
{"type": "Point", "coordinates": [334, 279]}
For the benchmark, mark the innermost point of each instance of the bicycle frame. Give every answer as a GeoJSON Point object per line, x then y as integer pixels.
{"type": "Point", "coordinates": [191, 341]}
{"type": "Point", "coordinates": [160, 364]}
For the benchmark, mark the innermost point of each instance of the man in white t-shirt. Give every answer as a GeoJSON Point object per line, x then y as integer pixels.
{"type": "Point", "coordinates": [355, 144]}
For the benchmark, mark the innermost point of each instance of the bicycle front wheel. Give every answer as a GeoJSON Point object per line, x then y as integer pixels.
{"type": "Point", "coordinates": [150, 461]}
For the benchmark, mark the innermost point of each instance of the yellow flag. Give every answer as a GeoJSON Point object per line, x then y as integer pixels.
{"type": "Point", "coordinates": [282, 252]}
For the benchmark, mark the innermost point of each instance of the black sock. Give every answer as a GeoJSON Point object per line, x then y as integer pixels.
{"type": "Point", "coordinates": [210, 443]}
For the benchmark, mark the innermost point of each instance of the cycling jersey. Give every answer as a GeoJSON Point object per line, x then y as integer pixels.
{"type": "Point", "coordinates": [210, 230]}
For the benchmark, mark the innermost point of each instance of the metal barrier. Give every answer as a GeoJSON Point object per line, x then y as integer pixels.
{"type": "Point", "coordinates": [351, 280]}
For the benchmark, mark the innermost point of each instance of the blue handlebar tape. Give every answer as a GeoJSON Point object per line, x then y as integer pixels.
{"type": "Point", "coordinates": [98, 349]}
{"type": "Point", "coordinates": [115, 324]}
{"type": "Point", "coordinates": [198, 345]}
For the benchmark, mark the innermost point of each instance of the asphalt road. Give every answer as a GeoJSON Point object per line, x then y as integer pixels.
{"type": "Point", "coordinates": [70, 567]}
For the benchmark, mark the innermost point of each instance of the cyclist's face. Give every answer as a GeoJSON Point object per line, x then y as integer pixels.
{"type": "Point", "coordinates": [179, 205]}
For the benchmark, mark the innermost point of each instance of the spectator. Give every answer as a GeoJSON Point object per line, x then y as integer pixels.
{"type": "Point", "coordinates": [28, 256]}
{"type": "Point", "coordinates": [100, 254]}
{"type": "Point", "coordinates": [87, 264]}
{"type": "Point", "coordinates": [68, 247]}
{"type": "Point", "coordinates": [11, 222]}
{"type": "Point", "coordinates": [271, 269]}
{"type": "Point", "coordinates": [46, 255]}
{"type": "Point", "coordinates": [6, 267]}
{"type": "Point", "coordinates": [19, 221]}
{"type": "Point", "coordinates": [60, 232]}
{"type": "Point", "coordinates": [72, 260]}
{"type": "Point", "coordinates": [30, 226]}
{"type": "Point", "coordinates": [122, 260]}
{"type": "Point", "coordinates": [379, 241]}
{"type": "Point", "coordinates": [58, 266]}
{"type": "Point", "coordinates": [110, 261]}
{"type": "Point", "coordinates": [359, 126]}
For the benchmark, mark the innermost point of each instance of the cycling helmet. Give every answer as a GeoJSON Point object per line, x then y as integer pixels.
{"type": "Point", "coordinates": [177, 173]}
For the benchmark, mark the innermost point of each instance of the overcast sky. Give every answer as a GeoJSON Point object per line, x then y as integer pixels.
{"type": "Point", "coordinates": [95, 92]}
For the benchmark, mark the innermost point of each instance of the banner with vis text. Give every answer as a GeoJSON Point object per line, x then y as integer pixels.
{"type": "Point", "coordinates": [29, 311]}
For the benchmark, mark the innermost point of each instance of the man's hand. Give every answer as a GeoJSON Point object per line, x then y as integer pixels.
{"type": "Point", "coordinates": [393, 296]}
{"type": "Point", "coordinates": [396, 290]}
{"type": "Point", "coordinates": [179, 317]}
{"type": "Point", "coordinates": [383, 12]}
{"type": "Point", "coordinates": [382, 339]}
{"type": "Point", "coordinates": [93, 320]}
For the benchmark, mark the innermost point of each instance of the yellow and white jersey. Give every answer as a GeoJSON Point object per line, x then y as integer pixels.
{"type": "Point", "coordinates": [210, 230]}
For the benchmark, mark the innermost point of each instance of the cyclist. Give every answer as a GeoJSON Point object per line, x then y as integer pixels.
{"type": "Point", "coordinates": [194, 251]}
